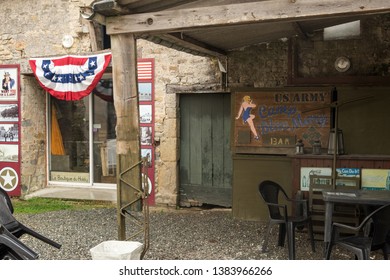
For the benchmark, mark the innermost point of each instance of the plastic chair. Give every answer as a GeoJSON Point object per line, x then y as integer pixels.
{"type": "Point", "coordinates": [272, 193]}
{"type": "Point", "coordinates": [11, 248]}
{"type": "Point", "coordinates": [370, 235]}
{"type": "Point", "coordinates": [11, 230]}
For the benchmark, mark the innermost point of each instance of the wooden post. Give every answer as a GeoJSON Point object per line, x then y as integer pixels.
{"type": "Point", "coordinates": [124, 62]}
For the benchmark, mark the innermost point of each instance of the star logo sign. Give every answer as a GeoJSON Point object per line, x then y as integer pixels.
{"type": "Point", "coordinates": [8, 179]}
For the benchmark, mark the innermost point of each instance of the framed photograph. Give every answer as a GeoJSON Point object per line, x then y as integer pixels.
{"type": "Point", "coordinates": [145, 91]}
{"type": "Point", "coordinates": [9, 132]}
{"type": "Point", "coordinates": [145, 113]}
{"type": "Point", "coordinates": [9, 153]}
{"type": "Point", "coordinates": [9, 112]}
{"type": "Point", "coordinates": [9, 83]}
{"type": "Point", "coordinates": [146, 135]}
{"type": "Point", "coordinates": [147, 153]}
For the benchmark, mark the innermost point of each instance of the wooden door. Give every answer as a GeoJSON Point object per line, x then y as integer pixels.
{"type": "Point", "coordinates": [206, 160]}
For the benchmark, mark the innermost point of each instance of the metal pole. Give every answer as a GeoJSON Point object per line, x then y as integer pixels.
{"type": "Point", "coordinates": [335, 138]}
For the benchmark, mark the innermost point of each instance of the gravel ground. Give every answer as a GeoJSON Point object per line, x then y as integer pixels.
{"type": "Point", "coordinates": [188, 234]}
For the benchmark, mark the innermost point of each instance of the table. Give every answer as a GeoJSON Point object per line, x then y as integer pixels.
{"type": "Point", "coordinates": [362, 197]}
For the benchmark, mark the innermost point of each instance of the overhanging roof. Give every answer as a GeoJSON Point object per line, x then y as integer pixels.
{"type": "Point", "coordinates": [214, 27]}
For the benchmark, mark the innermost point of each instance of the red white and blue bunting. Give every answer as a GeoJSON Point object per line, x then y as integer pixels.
{"type": "Point", "coordinates": [70, 77]}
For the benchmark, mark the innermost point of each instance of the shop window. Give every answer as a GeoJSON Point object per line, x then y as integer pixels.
{"type": "Point", "coordinates": [83, 139]}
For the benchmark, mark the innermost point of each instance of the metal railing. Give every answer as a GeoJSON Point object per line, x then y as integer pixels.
{"type": "Point", "coordinates": [128, 211]}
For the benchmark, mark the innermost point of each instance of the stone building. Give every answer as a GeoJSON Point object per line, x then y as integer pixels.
{"type": "Point", "coordinates": [27, 34]}
{"type": "Point", "coordinates": [181, 78]}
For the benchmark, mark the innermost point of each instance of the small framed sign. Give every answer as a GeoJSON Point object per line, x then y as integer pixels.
{"type": "Point", "coordinates": [9, 83]}
{"type": "Point", "coordinates": [375, 179]}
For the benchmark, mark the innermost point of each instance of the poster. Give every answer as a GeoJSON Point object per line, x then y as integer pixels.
{"type": "Point", "coordinates": [10, 129]}
{"type": "Point", "coordinates": [307, 171]}
{"type": "Point", "coordinates": [9, 83]}
{"type": "Point", "coordinates": [375, 179]}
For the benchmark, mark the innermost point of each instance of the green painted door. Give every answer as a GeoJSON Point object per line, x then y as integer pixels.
{"type": "Point", "coordinates": [205, 160]}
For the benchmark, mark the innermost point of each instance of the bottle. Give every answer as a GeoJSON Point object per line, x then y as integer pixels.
{"type": "Point", "coordinates": [388, 181]}
{"type": "Point", "coordinates": [317, 147]}
{"type": "Point", "coordinates": [299, 147]}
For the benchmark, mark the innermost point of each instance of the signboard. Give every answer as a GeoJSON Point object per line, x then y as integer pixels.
{"type": "Point", "coordinates": [375, 179]}
{"type": "Point", "coordinates": [145, 69]}
{"type": "Point", "coordinates": [348, 177]}
{"type": "Point", "coordinates": [271, 120]}
{"type": "Point", "coordinates": [70, 177]}
{"type": "Point", "coordinates": [307, 171]}
{"type": "Point", "coordinates": [10, 129]}
{"type": "Point", "coordinates": [344, 176]}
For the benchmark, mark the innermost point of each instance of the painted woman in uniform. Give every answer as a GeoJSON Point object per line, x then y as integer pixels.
{"type": "Point", "coordinates": [247, 117]}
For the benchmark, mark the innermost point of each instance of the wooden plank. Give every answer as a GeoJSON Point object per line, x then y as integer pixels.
{"type": "Point", "coordinates": [242, 13]}
{"type": "Point", "coordinates": [198, 195]}
{"type": "Point", "coordinates": [218, 145]}
{"type": "Point", "coordinates": [206, 131]}
{"type": "Point", "coordinates": [188, 42]}
{"type": "Point", "coordinates": [195, 123]}
{"type": "Point", "coordinates": [346, 213]}
{"type": "Point", "coordinates": [378, 164]}
{"type": "Point", "coordinates": [184, 140]}
{"type": "Point", "coordinates": [209, 181]}
{"type": "Point", "coordinates": [386, 164]}
{"type": "Point", "coordinates": [282, 115]}
{"type": "Point", "coordinates": [296, 168]}
{"type": "Point", "coordinates": [124, 61]}
{"type": "Point", "coordinates": [184, 45]}
{"type": "Point", "coordinates": [227, 154]}
{"type": "Point", "coordinates": [92, 35]}
{"type": "Point", "coordinates": [140, 5]}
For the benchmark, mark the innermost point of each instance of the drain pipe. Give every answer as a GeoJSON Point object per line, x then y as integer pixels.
{"type": "Point", "coordinates": [90, 12]}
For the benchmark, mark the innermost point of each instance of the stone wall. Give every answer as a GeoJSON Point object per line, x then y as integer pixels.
{"type": "Point", "coordinates": [41, 25]}
{"type": "Point", "coordinates": [30, 29]}
{"type": "Point", "coordinates": [33, 132]}
{"type": "Point", "coordinates": [36, 28]}
{"type": "Point", "coordinates": [369, 54]}
{"type": "Point", "coordinates": [179, 70]}
{"type": "Point", "coordinates": [266, 65]}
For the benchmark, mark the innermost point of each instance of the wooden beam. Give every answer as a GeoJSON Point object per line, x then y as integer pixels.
{"type": "Point", "coordinates": [88, 14]}
{"type": "Point", "coordinates": [138, 6]}
{"type": "Point", "coordinates": [110, 6]}
{"type": "Point", "coordinates": [297, 27]}
{"type": "Point", "coordinates": [124, 61]}
{"type": "Point", "coordinates": [190, 43]}
{"type": "Point", "coordinates": [244, 13]}
{"type": "Point", "coordinates": [92, 35]}
{"type": "Point", "coordinates": [182, 47]}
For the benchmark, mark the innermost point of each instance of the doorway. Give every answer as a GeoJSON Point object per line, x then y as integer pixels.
{"type": "Point", "coordinates": [205, 154]}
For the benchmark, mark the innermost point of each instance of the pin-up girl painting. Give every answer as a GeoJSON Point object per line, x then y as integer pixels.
{"type": "Point", "coordinates": [247, 117]}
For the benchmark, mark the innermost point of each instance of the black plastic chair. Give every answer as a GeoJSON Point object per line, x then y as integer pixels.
{"type": "Point", "coordinates": [272, 194]}
{"type": "Point", "coordinates": [11, 248]}
{"type": "Point", "coordinates": [10, 231]}
{"type": "Point", "coordinates": [370, 235]}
